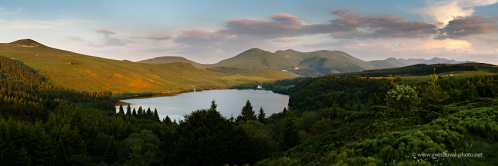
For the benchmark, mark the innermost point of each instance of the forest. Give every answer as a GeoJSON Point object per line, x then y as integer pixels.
{"type": "Point", "coordinates": [423, 69]}
{"type": "Point", "coordinates": [331, 120]}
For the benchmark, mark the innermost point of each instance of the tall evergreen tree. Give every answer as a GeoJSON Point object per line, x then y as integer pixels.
{"type": "Point", "coordinates": [247, 113]}
{"type": "Point", "coordinates": [290, 135]}
{"type": "Point", "coordinates": [262, 115]}
{"type": "Point", "coordinates": [128, 110]}
{"type": "Point", "coordinates": [121, 110]}
{"type": "Point", "coordinates": [167, 120]}
{"type": "Point", "coordinates": [433, 100]}
{"type": "Point", "coordinates": [140, 112]}
{"type": "Point", "coordinates": [148, 114]}
{"type": "Point", "coordinates": [134, 113]}
{"type": "Point", "coordinates": [156, 115]}
{"type": "Point", "coordinates": [213, 105]}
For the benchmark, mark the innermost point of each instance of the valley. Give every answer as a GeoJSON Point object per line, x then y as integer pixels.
{"type": "Point", "coordinates": [65, 104]}
{"type": "Point", "coordinates": [249, 83]}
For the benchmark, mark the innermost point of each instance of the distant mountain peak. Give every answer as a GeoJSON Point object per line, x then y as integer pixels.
{"type": "Point", "coordinates": [255, 49]}
{"type": "Point", "coordinates": [27, 43]}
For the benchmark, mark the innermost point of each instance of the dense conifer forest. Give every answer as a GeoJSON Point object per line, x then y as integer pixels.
{"type": "Point", "coordinates": [331, 120]}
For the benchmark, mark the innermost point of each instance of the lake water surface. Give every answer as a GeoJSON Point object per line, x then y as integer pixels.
{"type": "Point", "coordinates": [230, 102]}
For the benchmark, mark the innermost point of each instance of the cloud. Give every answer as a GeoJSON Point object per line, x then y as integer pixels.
{"type": "Point", "coordinates": [462, 27]}
{"type": "Point", "coordinates": [162, 36]}
{"type": "Point", "coordinates": [348, 24]}
{"type": "Point", "coordinates": [285, 39]}
{"type": "Point", "coordinates": [199, 37]}
{"type": "Point", "coordinates": [110, 41]}
{"type": "Point", "coordinates": [76, 38]}
{"type": "Point", "coordinates": [440, 13]}
{"type": "Point", "coordinates": [348, 30]}
{"type": "Point", "coordinates": [353, 24]}
{"type": "Point", "coordinates": [285, 18]}
{"type": "Point", "coordinates": [106, 31]}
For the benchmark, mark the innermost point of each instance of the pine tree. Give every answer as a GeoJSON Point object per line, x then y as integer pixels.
{"type": "Point", "coordinates": [247, 113]}
{"type": "Point", "coordinates": [213, 105]}
{"type": "Point", "coordinates": [290, 135]}
{"type": "Point", "coordinates": [128, 110]}
{"type": "Point", "coordinates": [262, 115]}
{"type": "Point", "coordinates": [433, 100]}
{"type": "Point", "coordinates": [167, 120]}
{"type": "Point", "coordinates": [156, 115]}
{"type": "Point", "coordinates": [148, 114]}
{"type": "Point", "coordinates": [121, 110]}
{"type": "Point", "coordinates": [134, 113]}
{"type": "Point", "coordinates": [140, 113]}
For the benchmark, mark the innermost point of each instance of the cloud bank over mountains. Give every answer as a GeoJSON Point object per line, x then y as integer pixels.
{"type": "Point", "coordinates": [452, 29]}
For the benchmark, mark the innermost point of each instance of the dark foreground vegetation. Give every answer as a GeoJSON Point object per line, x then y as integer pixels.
{"type": "Point", "coordinates": [331, 120]}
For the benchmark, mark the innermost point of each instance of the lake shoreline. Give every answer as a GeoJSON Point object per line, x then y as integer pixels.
{"type": "Point", "coordinates": [229, 102]}
{"type": "Point", "coordinates": [139, 95]}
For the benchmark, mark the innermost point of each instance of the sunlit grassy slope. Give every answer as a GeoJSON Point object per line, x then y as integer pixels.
{"type": "Point", "coordinates": [88, 73]}
{"type": "Point", "coordinates": [252, 60]}
{"type": "Point", "coordinates": [326, 61]}
{"type": "Point", "coordinates": [172, 59]}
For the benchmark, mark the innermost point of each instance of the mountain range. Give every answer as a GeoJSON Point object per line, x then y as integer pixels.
{"type": "Point", "coordinates": [303, 63]}
{"type": "Point", "coordinates": [89, 73]}
{"type": "Point", "coordinates": [177, 74]}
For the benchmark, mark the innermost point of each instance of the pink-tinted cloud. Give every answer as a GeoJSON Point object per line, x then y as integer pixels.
{"type": "Point", "coordinates": [462, 27]}
{"type": "Point", "coordinates": [162, 36]}
{"type": "Point", "coordinates": [106, 31]}
{"type": "Point", "coordinates": [110, 41]}
{"type": "Point", "coordinates": [353, 24]}
{"type": "Point", "coordinates": [348, 24]}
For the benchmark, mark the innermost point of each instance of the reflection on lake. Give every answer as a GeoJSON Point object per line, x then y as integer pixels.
{"type": "Point", "coordinates": [230, 102]}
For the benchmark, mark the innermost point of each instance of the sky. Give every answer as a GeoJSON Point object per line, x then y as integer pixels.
{"type": "Point", "coordinates": [208, 31]}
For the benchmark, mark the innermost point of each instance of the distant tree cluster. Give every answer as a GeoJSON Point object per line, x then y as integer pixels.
{"type": "Point", "coordinates": [423, 69]}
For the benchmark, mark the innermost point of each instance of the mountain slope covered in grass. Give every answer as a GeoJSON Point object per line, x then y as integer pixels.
{"type": "Point", "coordinates": [251, 60]}
{"type": "Point", "coordinates": [326, 62]}
{"type": "Point", "coordinates": [88, 73]}
{"type": "Point", "coordinates": [172, 59]}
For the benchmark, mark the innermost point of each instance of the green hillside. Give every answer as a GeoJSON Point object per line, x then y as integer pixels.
{"type": "Point", "coordinates": [172, 59]}
{"type": "Point", "coordinates": [326, 62]}
{"type": "Point", "coordinates": [350, 120]}
{"type": "Point", "coordinates": [251, 60]}
{"type": "Point", "coordinates": [88, 73]}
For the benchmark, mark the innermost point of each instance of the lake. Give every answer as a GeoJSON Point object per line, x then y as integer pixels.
{"type": "Point", "coordinates": [230, 102]}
